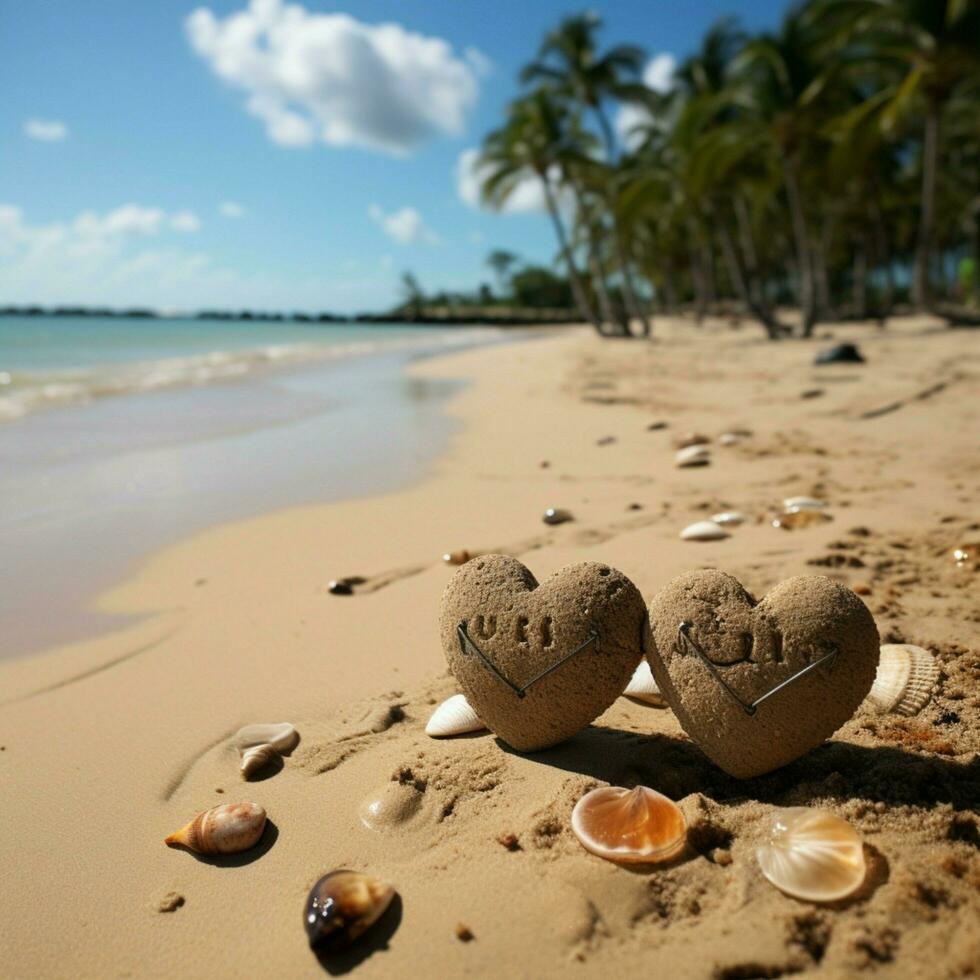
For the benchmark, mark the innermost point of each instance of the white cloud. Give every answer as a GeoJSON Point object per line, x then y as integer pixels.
{"type": "Point", "coordinates": [185, 221]}
{"type": "Point", "coordinates": [46, 130]}
{"type": "Point", "coordinates": [528, 195]}
{"type": "Point", "coordinates": [659, 72]}
{"type": "Point", "coordinates": [313, 76]}
{"type": "Point", "coordinates": [122, 258]}
{"type": "Point", "coordinates": [231, 209]}
{"type": "Point", "coordinates": [404, 226]}
{"type": "Point", "coordinates": [657, 75]}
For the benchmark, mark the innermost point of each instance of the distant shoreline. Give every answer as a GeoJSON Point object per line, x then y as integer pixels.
{"type": "Point", "coordinates": [433, 317]}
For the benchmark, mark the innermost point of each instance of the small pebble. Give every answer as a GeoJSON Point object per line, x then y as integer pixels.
{"type": "Point", "coordinates": [544, 464]}
{"type": "Point", "coordinates": [811, 393]}
{"type": "Point", "coordinates": [170, 902]}
{"type": "Point", "coordinates": [510, 841]}
{"type": "Point", "coordinates": [861, 588]}
{"type": "Point", "coordinates": [655, 426]}
{"type": "Point", "coordinates": [720, 856]}
{"type": "Point", "coordinates": [556, 515]}
{"type": "Point", "coordinates": [606, 441]}
{"type": "Point", "coordinates": [463, 933]}
{"type": "Point", "coordinates": [634, 506]}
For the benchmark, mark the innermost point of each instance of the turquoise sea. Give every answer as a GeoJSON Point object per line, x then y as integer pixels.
{"type": "Point", "coordinates": [120, 436]}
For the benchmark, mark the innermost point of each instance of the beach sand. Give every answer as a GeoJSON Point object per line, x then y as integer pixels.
{"type": "Point", "coordinates": [109, 745]}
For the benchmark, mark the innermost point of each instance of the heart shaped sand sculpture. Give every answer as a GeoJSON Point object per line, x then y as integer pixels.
{"type": "Point", "coordinates": [538, 663]}
{"type": "Point", "coordinates": [758, 684]}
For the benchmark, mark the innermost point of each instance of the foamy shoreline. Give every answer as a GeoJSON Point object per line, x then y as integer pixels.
{"type": "Point", "coordinates": [134, 728]}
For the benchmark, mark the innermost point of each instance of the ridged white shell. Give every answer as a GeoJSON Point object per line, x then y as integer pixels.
{"type": "Point", "coordinates": [905, 679]}
{"type": "Point", "coordinates": [803, 503]}
{"type": "Point", "coordinates": [812, 854]}
{"type": "Point", "coordinates": [731, 517]}
{"type": "Point", "coordinates": [453, 717]}
{"type": "Point", "coordinates": [704, 531]}
{"type": "Point", "coordinates": [642, 687]}
{"type": "Point", "coordinates": [693, 455]}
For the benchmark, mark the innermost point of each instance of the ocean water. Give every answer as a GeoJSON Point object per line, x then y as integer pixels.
{"type": "Point", "coordinates": [51, 361]}
{"type": "Point", "coordinates": [118, 437]}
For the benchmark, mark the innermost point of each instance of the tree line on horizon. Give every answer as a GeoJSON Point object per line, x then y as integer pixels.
{"type": "Point", "coordinates": [832, 165]}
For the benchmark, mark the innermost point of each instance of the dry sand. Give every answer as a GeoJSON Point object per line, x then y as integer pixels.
{"type": "Point", "coordinates": [111, 744]}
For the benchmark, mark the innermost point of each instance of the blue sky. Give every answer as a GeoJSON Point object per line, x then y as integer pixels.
{"type": "Point", "coordinates": [271, 155]}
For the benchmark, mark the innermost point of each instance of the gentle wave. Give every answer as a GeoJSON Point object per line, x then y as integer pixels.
{"type": "Point", "coordinates": [22, 393]}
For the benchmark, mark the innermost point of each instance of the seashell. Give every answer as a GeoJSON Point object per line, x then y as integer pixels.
{"type": "Point", "coordinates": [223, 829]}
{"type": "Point", "coordinates": [257, 758]}
{"type": "Point", "coordinates": [704, 531]}
{"type": "Point", "coordinates": [460, 557]}
{"type": "Point", "coordinates": [556, 515]}
{"type": "Point", "coordinates": [793, 520]}
{"type": "Point", "coordinates": [812, 854]}
{"type": "Point", "coordinates": [967, 555]}
{"type": "Point", "coordinates": [729, 517]}
{"type": "Point", "coordinates": [803, 503]}
{"type": "Point", "coordinates": [342, 906]}
{"type": "Point", "coordinates": [454, 716]}
{"type": "Point", "coordinates": [686, 439]}
{"type": "Point", "coordinates": [280, 735]}
{"type": "Point", "coordinates": [734, 437]}
{"type": "Point", "coordinates": [630, 826]}
{"type": "Point", "coordinates": [692, 456]}
{"type": "Point", "coordinates": [905, 679]}
{"type": "Point", "coordinates": [642, 687]}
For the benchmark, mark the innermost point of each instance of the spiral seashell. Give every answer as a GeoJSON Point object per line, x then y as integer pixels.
{"type": "Point", "coordinates": [729, 517]}
{"type": "Point", "coordinates": [905, 680]}
{"type": "Point", "coordinates": [642, 687]}
{"type": "Point", "coordinates": [262, 745]}
{"type": "Point", "coordinates": [812, 854]}
{"type": "Point", "coordinates": [257, 758]}
{"type": "Point", "coordinates": [282, 736]}
{"type": "Point", "coordinates": [455, 716]}
{"type": "Point", "coordinates": [342, 906]}
{"type": "Point", "coordinates": [704, 531]}
{"type": "Point", "coordinates": [697, 455]}
{"type": "Point", "coordinates": [223, 829]}
{"type": "Point", "coordinates": [630, 826]}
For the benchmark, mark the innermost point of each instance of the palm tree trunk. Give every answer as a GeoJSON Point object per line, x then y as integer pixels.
{"type": "Point", "coordinates": [617, 325]}
{"type": "Point", "coordinates": [801, 241]}
{"type": "Point", "coordinates": [574, 281]}
{"type": "Point", "coordinates": [774, 330]}
{"type": "Point", "coordinates": [629, 292]}
{"type": "Point", "coordinates": [748, 249]}
{"type": "Point", "coordinates": [821, 280]}
{"type": "Point", "coordinates": [859, 274]}
{"type": "Point", "coordinates": [927, 219]}
{"type": "Point", "coordinates": [884, 258]}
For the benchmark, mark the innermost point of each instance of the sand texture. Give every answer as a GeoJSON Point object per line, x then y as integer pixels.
{"type": "Point", "coordinates": [109, 745]}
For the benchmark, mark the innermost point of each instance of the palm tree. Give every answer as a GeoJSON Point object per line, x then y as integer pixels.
{"type": "Point", "coordinates": [936, 44]}
{"type": "Point", "coordinates": [569, 63]}
{"type": "Point", "coordinates": [780, 78]}
{"type": "Point", "coordinates": [533, 143]}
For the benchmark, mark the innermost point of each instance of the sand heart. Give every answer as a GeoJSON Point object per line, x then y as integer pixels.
{"type": "Point", "coordinates": [758, 684]}
{"type": "Point", "coordinates": [538, 663]}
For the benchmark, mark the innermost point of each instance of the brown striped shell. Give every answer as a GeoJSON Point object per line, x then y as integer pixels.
{"type": "Point", "coordinates": [223, 829]}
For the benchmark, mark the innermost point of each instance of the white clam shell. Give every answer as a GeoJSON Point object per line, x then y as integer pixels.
{"type": "Point", "coordinates": [729, 517]}
{"type": "Point", "coordinates": [905, 680]}
{"type": "Point", "coordinates": [729, 438]}
{"type": "Point", "coordinates": [803, 503]}
{"type": "Point", "coordinates": [812, 854]}
{"type": "Point", "coordinates": [704, 531]}
{"type": "Point", "coordinates": [642, 687]}
{"type": "Point", "coordinates": [693, 455]}
{"type": "Point", "coordinates": [454, 716]}
{"type": "Point", "coordinates": [281, 736]}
